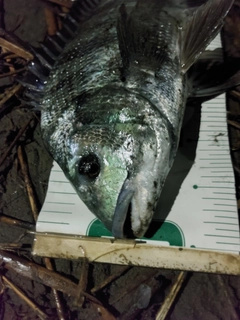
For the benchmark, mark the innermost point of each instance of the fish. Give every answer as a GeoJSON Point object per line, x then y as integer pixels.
{"type": "Point", "coordinates": [113, 97]}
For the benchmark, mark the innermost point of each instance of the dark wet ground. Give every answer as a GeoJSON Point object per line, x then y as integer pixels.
{"type": "Point", "coordinates": [203, 297]}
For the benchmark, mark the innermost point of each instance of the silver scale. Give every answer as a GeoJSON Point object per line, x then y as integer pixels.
{"type": "Point", "coordinates": [203, 212]}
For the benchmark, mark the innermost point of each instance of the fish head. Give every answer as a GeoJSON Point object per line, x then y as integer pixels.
{"type": "Point", "coordinates": [118, 164]}
{"type": "Point", "coordinates": [97, 170]}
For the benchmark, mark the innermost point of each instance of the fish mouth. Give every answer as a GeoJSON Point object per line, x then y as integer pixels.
{"type": "Point", "coordinates": [122, 226]}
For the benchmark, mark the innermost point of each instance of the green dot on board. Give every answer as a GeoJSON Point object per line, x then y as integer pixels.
{"type": "Point", "coordinates": [195, 186]}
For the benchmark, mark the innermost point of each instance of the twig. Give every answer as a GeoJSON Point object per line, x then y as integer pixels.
{"type": "Point", "coordinates": [11, 73]}
{"type": "Point", "coordinates": [231, 310]}
{"type": "Point", "coordinates": [135, 285]}
{"type": "Point", "coordinates": [7, 63]}
{"type": "Point", "coordinates": [11, 247]}
{"type": "Point", "coordinates": [238, 203]}
{"type": "Point", "coordinates": [51, 21]}
{"type": "Point", "coordinates": [35, 211]}
{"type": "Point", "coordinates": [28, 182]}
{"type": "Point", "coordinates": [16, 222]}
{"type": "Point", "coordinates": [21, 131]}
{"type": "Point", "coordinates": [59, 21]}
{"type": "Point", "coordinates": [42, 315]}
{"type": "Point", "coordinates": [235, 93]}
{"type": "Point", "coordinates": [162, 313]}
{"type": "Point", "coordinates": [103, 312]}
{"type": "Point", "coordinates": [64, 3]}
{"type": "Point", "coordinates": [11, 67]}
{"type": "Point", "coordinates": [16, 49]}
{"type": "Point", "coordinates": [9, 93]}
{"type": "Point", "coordinates": [235, 147]}
{"type": "Point", "coordinates": [65, 9]}
{"type": "Point", "coordinates": [138, 301]}
{"type": "Point", "coordinates": [110, 279]}
{"type": "Point", "coordinates": [236, 169]}
{"type": "Point", "coordinates": [40, 274]}
{"type": "Point", "coordinates": [234, 124]}
{"type": "Point", "coordinates": [2, 22]}
{"type": "Point", "coordinates": [11, 37]}
{"type": "Point", "coordinates": [82, 285]}
{"type": "Point", "coordinates": [8, 55]}
{"type": "Point", "coordinates": [56, 294]}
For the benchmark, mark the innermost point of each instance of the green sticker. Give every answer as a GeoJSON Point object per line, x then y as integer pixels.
{"type": "Point", "coordinates": [97, 229]}
{"type": "Point", "coordinates": [168, 231]}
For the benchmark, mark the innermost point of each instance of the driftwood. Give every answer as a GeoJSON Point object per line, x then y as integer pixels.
{"type": "Point", "coordinates": [42, 315]}
{"type": "Point", "coordinates": [20, 133]}
{"type": "Point", "coordinates": [21, 52]}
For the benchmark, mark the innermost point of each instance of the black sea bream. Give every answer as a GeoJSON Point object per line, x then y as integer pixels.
{"type": "Point", "coordinates": [113, 101]}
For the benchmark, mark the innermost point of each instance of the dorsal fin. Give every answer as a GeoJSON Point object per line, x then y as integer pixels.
{"type": "Point", "coordinates": [146, 31]}
{"type": "Point", "coordinates": [142, 34]}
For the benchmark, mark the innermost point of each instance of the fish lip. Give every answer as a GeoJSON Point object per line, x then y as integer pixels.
{"type": "Point", "coordinates": [121, 209]}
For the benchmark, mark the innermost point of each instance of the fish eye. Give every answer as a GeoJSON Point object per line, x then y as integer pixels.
{"type": "Point", "coordinates": [89, 166]}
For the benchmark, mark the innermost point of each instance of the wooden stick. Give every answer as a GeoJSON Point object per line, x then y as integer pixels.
{"type": "Point", "coordinates": [57, 297]}
{"type": "Point", "coordinates": [21, 131]}
{"type": "Point", "coordinates": [14, 247]}
{"type": "Point", "coordinates": [231, 310]}
{"type": "Point", "coordinates": [65, 9]}
{"type": "Point", "coordinates": [109, 279]}
{"type": "Point", "coordinates": [17, 222]}
{"type": "Point", "coordinates": [64, 3]}
{"type": "Point", "coordinates": [12, 38]}
{"type": "Point", "coordinates": [16, 49]}
{"type": "Point", "coordinates": [30, 190]}
{"type": "Point", "coordinates": [9, 93]}
{"type": "Point", "coordinates": [51, 21]}
{"type": "Point", "coordinates": [134, 285]}
{"type": "Point", "coordinates": [82, 285]}
{"type": "Point", "coordinates": [42, 315]}
{"type": "Point", "coordinates": [104, 313]}
{"type": "Point", "coordinates": [9, 55]}
{"type": "Point", "coordinates": [234, 124]}
{"type": "Point", "coordinates": [2, 14]}
{"type": "Point", "coordinates": [35, 211]}
{"type": "Point", "coordinates": [236, 169]}
{"type": "Point", "coordinates": [235, 147]}
{"type": "Point", "coordinates": [235, 93]}
{"type": "Point", "coordinates": [11, 73]}
{"type": "Point", "coordinates": [40, 274]}
{"type": "Point", "coordinates": [59, 22]}
{"type": "Point", "coordinates": [177, 285]}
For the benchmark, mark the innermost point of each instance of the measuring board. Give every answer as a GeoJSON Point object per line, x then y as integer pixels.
{"type": "Point", "coordinates": [197, 208]}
